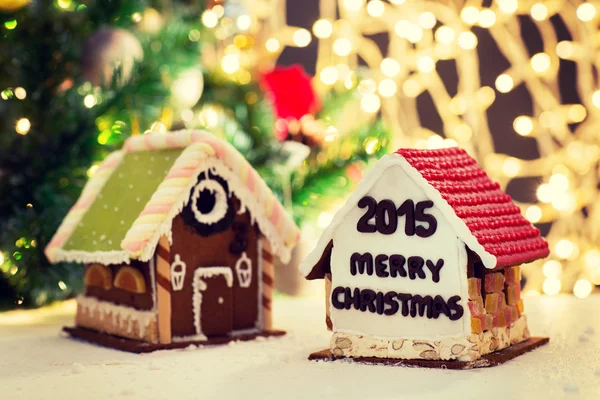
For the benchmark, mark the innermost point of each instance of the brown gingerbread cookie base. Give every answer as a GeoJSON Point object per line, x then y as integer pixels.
{"type": "Point", "coordinates": [136, 346]}
{"type": "Point", "coordinates": [489, 360]}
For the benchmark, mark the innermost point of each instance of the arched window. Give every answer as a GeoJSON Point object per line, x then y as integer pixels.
{"type": "Point", "coordinates": [130, 279]}
{"type": "Point", "coordinates": [98, 275]}
{"type": "Point", "coordinates": [210, 208]}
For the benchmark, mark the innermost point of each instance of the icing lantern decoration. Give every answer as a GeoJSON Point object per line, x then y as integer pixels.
{"type": "Point", "coordinates": [98, 275]}
{"type": "Point", "coordinates": [130, 279]}
{"type": "Point", "coordinates": [177, 273]}
{"type": "Point", "coordinates": [243, 269]}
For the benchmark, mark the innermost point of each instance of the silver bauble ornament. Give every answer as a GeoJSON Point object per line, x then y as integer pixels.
{"type": "Point", "coordinates": [107, 49]}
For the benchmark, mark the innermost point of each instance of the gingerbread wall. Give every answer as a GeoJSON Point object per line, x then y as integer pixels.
{"type": "Point", "coordinates": [218, 249]}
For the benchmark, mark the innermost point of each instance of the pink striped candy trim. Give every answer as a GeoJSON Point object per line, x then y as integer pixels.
{"type": "Point", "coordinates": [275, 214]}
{"type": "Point", "coordinates": [251, 179]}
{"type": "Point", "coordinates": [148, 142]}
{"type": "Point", "coordinates": [171, 142]}
{"type": "Point", "coordinates": [214, 144]}
{"type": "Point", "coordinates": [82, 203]}
{"type": "Point", "coordinates": [135, 246]}
{"type": "Point", "coordinates": [109, 163]}
{"type": "Point", "coordinates": [156, 209]}
{"type": "Point", "coordinates": [181, 173]}
{"type": "Point", "coordinates": [57, 240]}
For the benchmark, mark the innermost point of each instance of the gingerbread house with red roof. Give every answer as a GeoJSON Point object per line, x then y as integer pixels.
{"type": "Point", "coordinates": [423, 262]}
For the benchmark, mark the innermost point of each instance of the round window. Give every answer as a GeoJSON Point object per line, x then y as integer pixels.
{"type": "Point", "coordinates": [209, 209]}
{"type": "Point", "coordinates": [209, 202]}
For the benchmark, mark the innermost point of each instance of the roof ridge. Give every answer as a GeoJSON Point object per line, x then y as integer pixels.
{"type": "Point", "coordinates": [172, 193]}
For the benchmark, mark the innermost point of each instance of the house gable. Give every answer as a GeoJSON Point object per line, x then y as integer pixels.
{"type": "Point", "coordinates": [459, 226]}
{"type": "Point", "coordinates": [395, 256]}
{"type": "Point", "coordinates": [196, 153]}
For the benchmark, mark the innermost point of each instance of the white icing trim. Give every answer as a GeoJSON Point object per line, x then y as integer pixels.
{"type": "Point", "coordinates": [220, 208]}
{"type": "Point", "coordinates": [366, 184]}
{"type": "Point", "coordinates": [248, 331]}
{"type": "Point", "coordinates": [199, 286]}
{"type": "Point", "coordinates": [191, 338]}
{"type": "Point", "coordinates": [85, 257]}
{"type": "Point", "coordinates": [210, 272]}
{"type": "Point", "coordinates": [177, 276]}
{"type": "Point", "coordinates": [244, 275]}
{"type": "Point", "coordinates": [144, 318]}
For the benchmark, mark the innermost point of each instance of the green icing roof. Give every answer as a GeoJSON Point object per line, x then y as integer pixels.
{"type": "Point", "coordinates": [121, 200]}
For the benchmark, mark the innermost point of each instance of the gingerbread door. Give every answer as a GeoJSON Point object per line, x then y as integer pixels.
{"type": "Point", "coordinates": [213, 301]}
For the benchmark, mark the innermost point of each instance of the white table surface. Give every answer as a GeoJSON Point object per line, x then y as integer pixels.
{"type": "Point", "coordinates": [37, 362]}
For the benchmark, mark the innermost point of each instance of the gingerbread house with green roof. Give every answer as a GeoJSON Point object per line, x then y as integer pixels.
{"type": "Point", "coordinates": [177, 233]}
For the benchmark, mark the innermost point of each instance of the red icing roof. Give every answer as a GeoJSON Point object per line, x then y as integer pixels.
{"type": "Point", "coordinates": [489, 213]}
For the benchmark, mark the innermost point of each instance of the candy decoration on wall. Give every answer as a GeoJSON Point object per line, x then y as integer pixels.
{"type": "Point", "coordinates": [243, 269]}
{"type": "Point", "coordinates": [163, 289]}
{"type": "Point", "coordinates": [177, 273]}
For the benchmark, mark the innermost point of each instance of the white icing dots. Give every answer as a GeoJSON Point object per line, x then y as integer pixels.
{"type": "Point", "coordinates": [122, 222]}
{"type": "Point", "coordinates": [95, 242]}
{"type": "Point", "coordinates": [131, 186]}
{"type": "Point", "coordinates": [105, 206]}
{"type": "Point", "coordinates": [152, 158]}
{"type": "Point", "coordinates": [136, 157]}
{"type": "Point", "coordinates": [116, 209]}
{"type": "Point", "coordinates": [167, 158]}
{"type": "Point", "coordinates": [93, 233]}
{"type": "Point", "coordinates": [110, 242]}
{"type": "Point", "coordinates": [121, 175]}
{"type": "Point", "coordinates": [149, 172]}
{"type": "Point", "coordinates": [103, 237]}
{"type": "Point", "coordinates": [138, 199]}
{"type": "Point", "coordinates": [221, 301]}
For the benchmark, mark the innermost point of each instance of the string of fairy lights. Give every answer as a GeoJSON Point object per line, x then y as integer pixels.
{"type": "Point", "coordinates": [421, 33]}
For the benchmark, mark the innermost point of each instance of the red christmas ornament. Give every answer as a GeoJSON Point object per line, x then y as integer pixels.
{"type": "Point", "coordinates": [292, 95]}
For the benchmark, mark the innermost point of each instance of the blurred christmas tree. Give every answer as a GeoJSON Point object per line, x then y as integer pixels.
{"type": "Point", "coordinates": [78, 78]}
